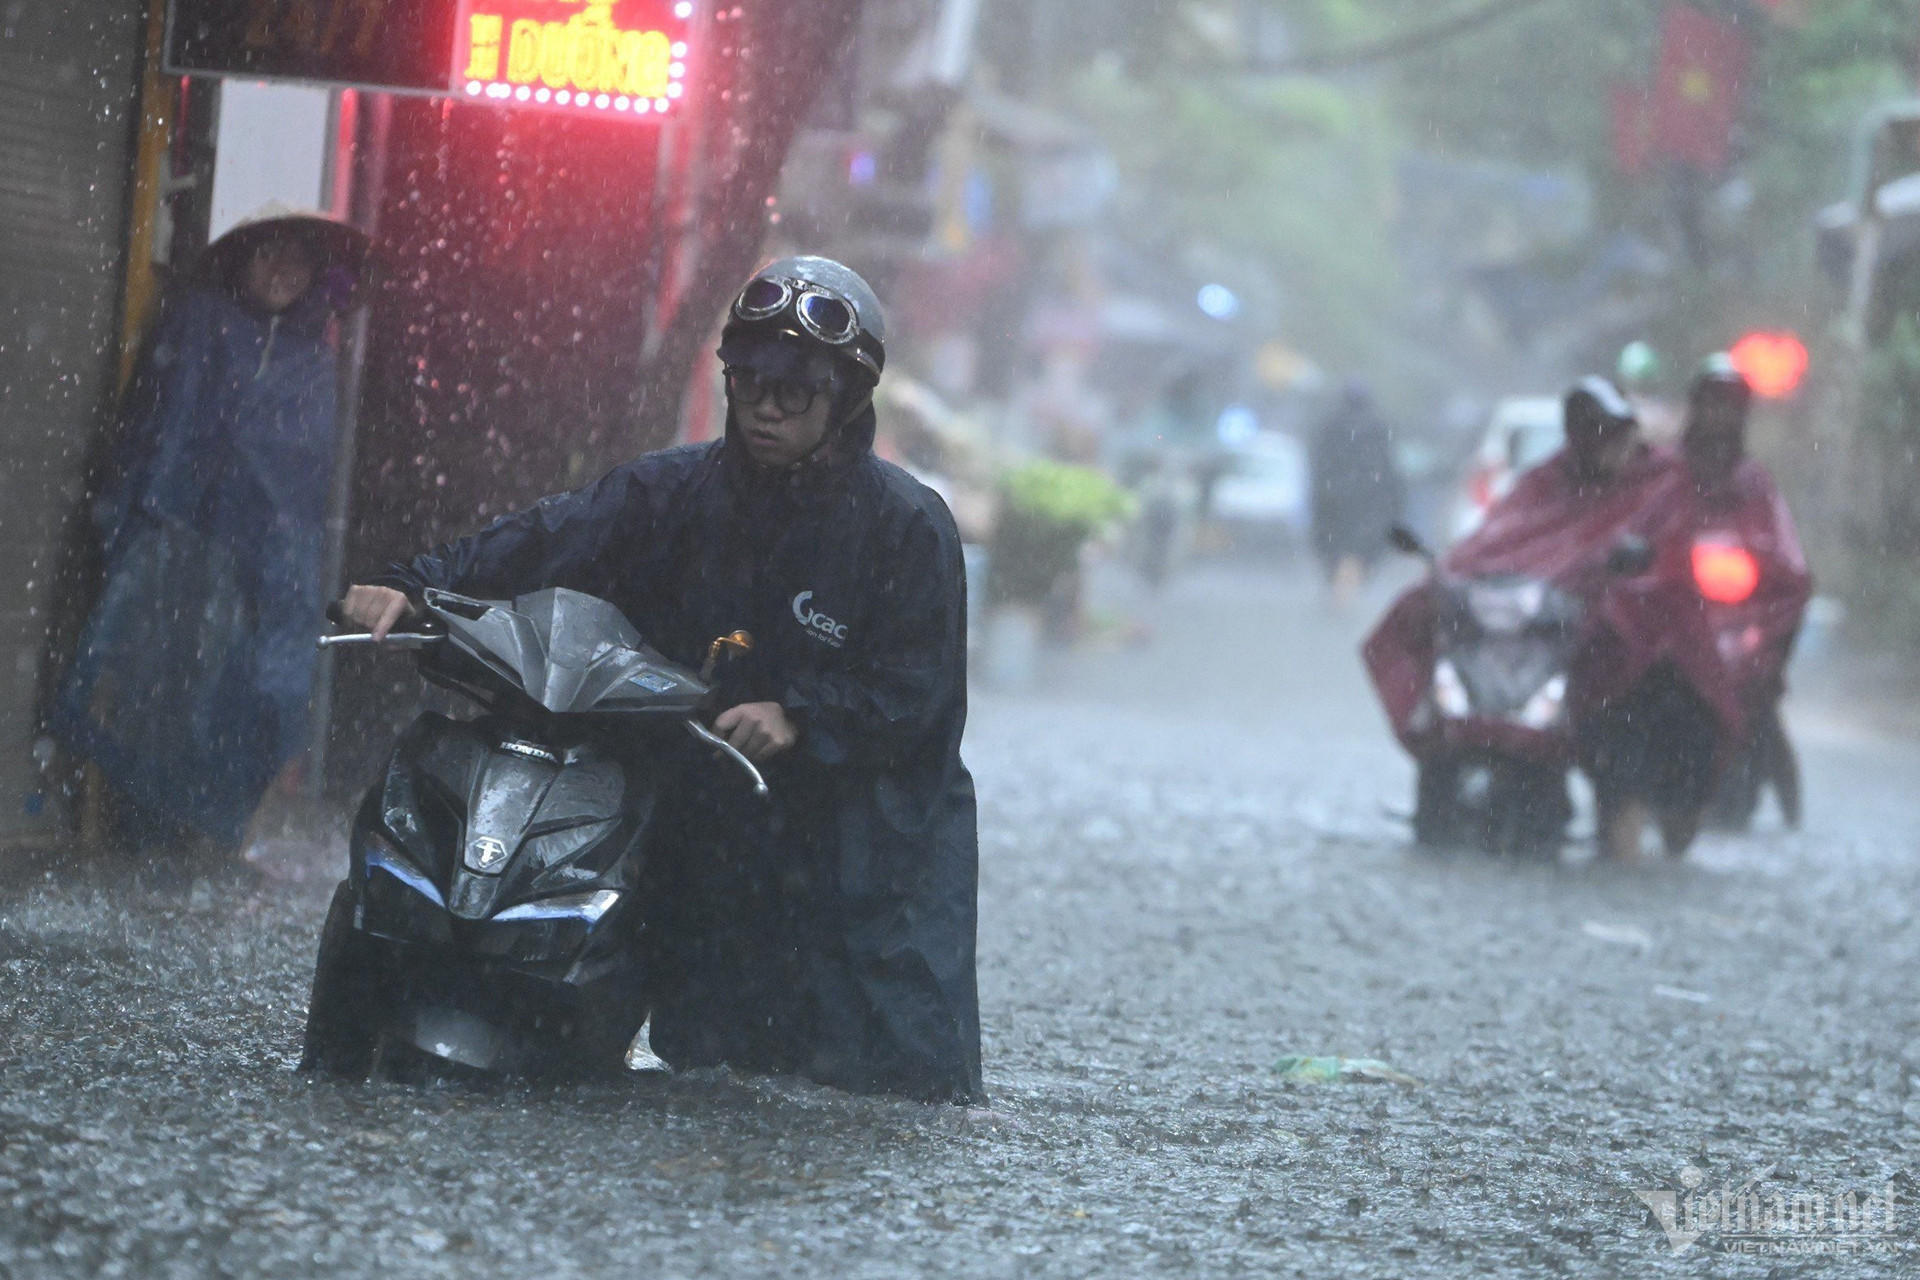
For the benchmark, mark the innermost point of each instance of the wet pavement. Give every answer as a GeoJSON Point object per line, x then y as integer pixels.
{"type": "Point", "coordinates": [1189, 869]}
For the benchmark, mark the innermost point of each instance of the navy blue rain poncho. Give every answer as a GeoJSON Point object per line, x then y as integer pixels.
{"type": "Point", "coordinates": [830, 932]}
{"type": "Point", "coordinates": [190, 684]}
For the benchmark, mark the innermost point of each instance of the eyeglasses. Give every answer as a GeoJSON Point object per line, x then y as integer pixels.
{"type": "Point", "coordinates": [748, 387]}
{"type": "Point", "coordinates": [828, 318]}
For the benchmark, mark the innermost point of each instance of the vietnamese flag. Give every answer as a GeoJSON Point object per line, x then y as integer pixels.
{"type": "Point", "coordinates": [1698, 89]}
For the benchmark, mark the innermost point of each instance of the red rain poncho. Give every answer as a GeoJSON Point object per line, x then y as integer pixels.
{"type": "Point", "coordinates": [1754, 635]}
{"type": "Point", "coordinates": [1554, 528]}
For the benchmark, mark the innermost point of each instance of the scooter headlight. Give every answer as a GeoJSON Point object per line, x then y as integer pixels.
{"type": "Point", "coordinates": [384, 857]}
{"type": "Point", "coordinates": [570, 906]}
{"type": "Point", "coordinates": [1544, 708]}
{"type": "Point", "coordinates": [1450, 691]}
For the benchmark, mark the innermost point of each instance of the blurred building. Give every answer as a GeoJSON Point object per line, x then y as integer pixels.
{"type": "Point", "coordinates": [70, 87]}
{"type": "Point", "coordinates": [548, 252]}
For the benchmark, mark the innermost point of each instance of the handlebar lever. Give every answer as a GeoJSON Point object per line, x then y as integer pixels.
{"type": "Point", "coordinates": [714, 740]}
{"type": "Point", "coordinates": [396, 640]}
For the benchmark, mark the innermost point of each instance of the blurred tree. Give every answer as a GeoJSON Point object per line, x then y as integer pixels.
{"type": "Point", "coordinates": [772, 57]}
{"type": "Point", "coordinates": [1291, 174]}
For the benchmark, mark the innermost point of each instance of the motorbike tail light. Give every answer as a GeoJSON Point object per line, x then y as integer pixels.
{"type": "Point", "coordinates": [1725, 572]}
{"type": "Point", "coordinates": [1480, 487]}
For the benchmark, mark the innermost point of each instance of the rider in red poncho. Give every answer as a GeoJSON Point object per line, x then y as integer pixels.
{"type": "Point", "coordinates": [1648, 700]}
{"type": "Point", "coordinates": [1559, 523]}
{"type": "Point", "coordinates": [1730, 532]}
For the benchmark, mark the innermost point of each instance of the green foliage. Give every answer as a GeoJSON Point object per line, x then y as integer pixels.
{"type": "Point", "coordinates": [1078, 499]}
{"type": "Point", "coordinates": [1533, 89]}
{"type": "Point", "coordinates": [1292, 175]}
{"type": "Point", "coordinates": [1048, 511]}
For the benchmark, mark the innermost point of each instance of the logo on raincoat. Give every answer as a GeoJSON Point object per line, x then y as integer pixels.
{"type": "Point", "coordinates": [818, 625]}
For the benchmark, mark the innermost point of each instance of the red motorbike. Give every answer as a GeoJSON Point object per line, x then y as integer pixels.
{"type": "Point", "coordinates": [1753, 632]}
{"type": "Point", "coordinates": [1476, 671]}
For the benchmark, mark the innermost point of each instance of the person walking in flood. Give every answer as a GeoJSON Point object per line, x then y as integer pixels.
{"type": "Point", "coordinates": [1357, 494]}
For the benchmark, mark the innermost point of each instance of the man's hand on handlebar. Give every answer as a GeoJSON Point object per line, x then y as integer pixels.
{"type": "Point", "coordinates": [377, 609]}
{"type": "Point", "coordinates": [757, 730]}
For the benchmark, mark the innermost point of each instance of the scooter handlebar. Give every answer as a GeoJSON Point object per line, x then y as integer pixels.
{"type": "Point", "coordinates": [726, 748]}
{"type": "Point", "coordinates": [395, 639]}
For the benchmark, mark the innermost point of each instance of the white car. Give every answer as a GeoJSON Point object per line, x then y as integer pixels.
{"type": "Point", "coordinates": [1523, 432]}
{"type": "Point", "coordinates": [1262, 496]}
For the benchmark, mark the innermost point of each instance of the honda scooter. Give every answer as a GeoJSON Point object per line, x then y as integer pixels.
{"type": "Point", "coordinates": [1489, 732]}
{"type": "Point", "coordinates": [490, 914]}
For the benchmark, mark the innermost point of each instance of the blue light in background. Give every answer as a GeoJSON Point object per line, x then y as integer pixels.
{"type": "Point", "coordinates": [1236, 424]}
{"type": "Point", "coordinates": [1219, 301]}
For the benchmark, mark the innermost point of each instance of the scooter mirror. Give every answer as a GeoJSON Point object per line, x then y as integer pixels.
{"type": "Point", "coordinates": [1407, 542]}
{"type": "Point", "coordinates": [737, 642]}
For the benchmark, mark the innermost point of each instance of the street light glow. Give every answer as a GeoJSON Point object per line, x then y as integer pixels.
{"type": "Point", "coordinates": [1219, 301]}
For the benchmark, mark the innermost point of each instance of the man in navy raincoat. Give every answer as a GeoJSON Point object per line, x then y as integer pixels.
{"type": "Point", "coordinates": [190, 683]}
{"type": "Point", "coordinates": [830, 933]}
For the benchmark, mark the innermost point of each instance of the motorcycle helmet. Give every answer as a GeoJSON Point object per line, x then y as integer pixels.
{"type": "Point", "coordinates": [1595, 407]}
{"type": "Point", "coordinates": [1715, 438]}
{"type": "Point", "coordinates": [1720, 381]}
{"type": "Point", "coordinates": [807, 307]}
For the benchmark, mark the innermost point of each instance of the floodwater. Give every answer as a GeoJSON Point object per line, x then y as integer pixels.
{"type": "Point", "coordinates": [1189, 869]}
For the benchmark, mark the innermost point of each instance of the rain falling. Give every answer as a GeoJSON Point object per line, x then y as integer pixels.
{"type": "Point", "coordinates": [984, 638]}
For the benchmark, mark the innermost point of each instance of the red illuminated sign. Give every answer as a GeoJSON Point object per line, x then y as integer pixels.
{"type": "Point", "coordinates": [620, 57]}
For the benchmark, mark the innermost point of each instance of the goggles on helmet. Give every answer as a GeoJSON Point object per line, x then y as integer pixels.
{"type": "Point", "coordinates": [825, 316]}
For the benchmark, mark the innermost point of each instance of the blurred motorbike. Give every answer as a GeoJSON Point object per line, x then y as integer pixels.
{"type": "Point", "coordinates": [490, 914]}
{"type": "Point", "coordinates": [1750, 643]}
{"type": "Point", "coordinates": [1490, 734]}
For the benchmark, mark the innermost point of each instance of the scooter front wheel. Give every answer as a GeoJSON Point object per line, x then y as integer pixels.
{"type": "Point", "coordinates": [1438, 821]}
{"type": "Point", "coordinates": [346, 1011]}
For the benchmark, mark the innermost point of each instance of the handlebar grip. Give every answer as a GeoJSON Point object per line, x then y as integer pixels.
{"type": "Point", "coordinates": [337, 613]}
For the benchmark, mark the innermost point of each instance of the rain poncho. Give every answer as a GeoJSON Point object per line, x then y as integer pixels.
{"type": "Point", "coordinates": [190, 683]}
{"type": "Point", "coordinates": [829, 932]}
{"type": "Point", "coordinates": [1755, 635]}
{"type": "Point", "coordinates": [1554, 528]}
{"type": "Point", "coordinates": [1357, 494]}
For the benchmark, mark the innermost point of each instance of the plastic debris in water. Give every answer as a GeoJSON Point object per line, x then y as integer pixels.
{"type": "Point", "coordinates": [1331, 1070]}
{"type": "Point", "coordinates": [1621, 935]}
{"type": "Point", "coordinates": [640, 1054]}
